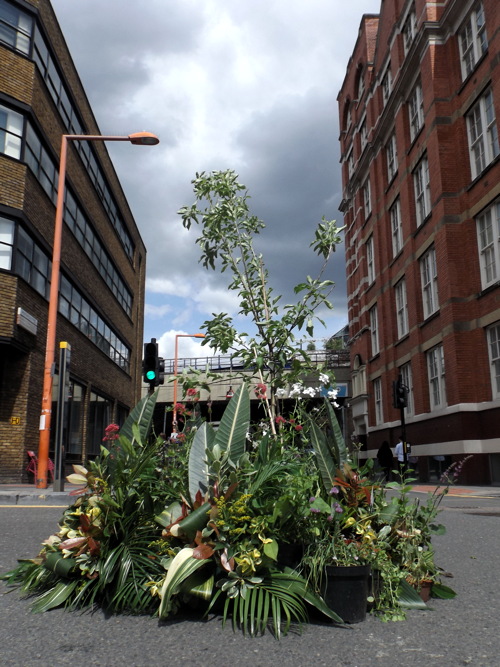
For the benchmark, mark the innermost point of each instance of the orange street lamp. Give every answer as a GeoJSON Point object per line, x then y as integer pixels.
{"type": "Point", "coordinates": [177, 336]}
{"type": "Point", "coordinates": [139, 139]}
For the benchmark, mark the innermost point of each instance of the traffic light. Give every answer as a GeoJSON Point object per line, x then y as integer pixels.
{"type": "Point", "coordinates": [161, 370]}
{"type": "Point", "coordinates": [151, 363]}
{"type": "Point", "coordinates": [399, 394]}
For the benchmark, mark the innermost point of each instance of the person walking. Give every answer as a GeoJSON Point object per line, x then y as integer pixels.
{"type": "Point", "coordinates": [386, 460]}
{"type": "Point", "coordinates": [399, 454]}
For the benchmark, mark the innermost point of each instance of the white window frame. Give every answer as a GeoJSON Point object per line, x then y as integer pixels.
{"type": "Point", "coordinates": [11, 132]}
{"type": "Point", "coordinates": [407, 380]}
{"type": "Point", "coordinates": [391, 151]}
{"type": "Point", "coordinates": [7, 228]}
{"type": "Point", "coordinates": [428, 274]}
{"type": "Point", "coordinates": [367, 198]}
{"type": "Point", "coordinates": [350, 163]}
{"type": "Point", "coordinates": [493, 334]}
{"type": "Point", "coordinates": [374, 330]}
{"type": "Point", "coordinates": [422, 187]}
{"type": "Point", "coordinates": [482, 132]}
{"type": "Point", "coordinates": [377, 395]}
{"type": "Point", "coordinates": [396, 228]}
{"type": "Point", "coordinates": [436, 377]}
{"type": "Point", "coordinates": [409, 31]}
{"type": "Point", "coordinates": [488, 241]}
{"type": "Point", "coordinates": [387, 84]}
{"type": "Point", "coordinates": [363, 135]}
{"type": "Point", "coordinates": [416, 110]}
{"type": "Point", "coordinates": [472, 40]}
{"type": "Point", "coordinates": [370, 260]}
{"type": "Point", "coordinates": [401, 308]}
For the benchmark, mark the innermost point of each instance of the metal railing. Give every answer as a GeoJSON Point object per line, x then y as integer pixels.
{"type": "Point", "coordinates": [227, 363]}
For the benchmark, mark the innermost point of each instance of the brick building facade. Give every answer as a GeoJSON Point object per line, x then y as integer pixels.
{"type": "Point", "coordinates": [101, 303]}
{"type": "Point", "coordinates": [419, 110]}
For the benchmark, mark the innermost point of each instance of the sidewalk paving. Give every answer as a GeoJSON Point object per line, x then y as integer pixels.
{"type": "Point", "coordinates": [28, 494]}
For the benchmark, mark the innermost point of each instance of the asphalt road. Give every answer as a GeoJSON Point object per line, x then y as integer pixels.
{"type": "Point", "coordinates": [463, 631]}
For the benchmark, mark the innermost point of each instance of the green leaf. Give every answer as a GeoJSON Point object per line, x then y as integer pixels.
{"type": "Point", "coordinates": [195, 520]}
{"type": "Point", "coordinates": [271, 549]}
{"type": "Point", "coordinates": [169, 514]}
{"type": "Point", "coordinates": [198, 468]}
{"type": "Point", "coordinates": [439, 590]}
{"type": "Point", "coordinates": [233, 427]}
{"type": "Point", "coordinates": [326, 462]}
{"type": "Point", "coordinates": [142, 414]}
{"type": "Point", "coordinates": [55, 596]}
{"type": "Point", "coordinates": [409, 598]}
{"type": "Point", "coordinates": [337, 439]}
{"type": "Point", "coordinates": [182, 566]}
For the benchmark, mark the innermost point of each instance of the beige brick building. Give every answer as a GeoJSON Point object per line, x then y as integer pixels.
{"type": "Point", "coordinates": [419, 110]}
{"type": "Point", "coordinates": [101, 303]}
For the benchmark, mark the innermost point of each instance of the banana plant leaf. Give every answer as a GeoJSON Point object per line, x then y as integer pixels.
{"type": "Point", "coordinates": [195, 520]}
{"type": "Point", "coordinates": [409, 598]}
{"type": "Point", "coordinates": [142, 415]}
{"type": "Point", "coordinates": [63, 567]}
{"type": "Point", "coordinates": [198, 468]}
{"type": "Point", "coordinates": [170, 514]}
{"type": "Point", "coordinates": [182, 566]}
{"type": "Point", "coordinates": [326, 462]}
{"type": "Point", "coordinates": [336, 440]}
{"type": "Point", "coordinates": [233, 428]}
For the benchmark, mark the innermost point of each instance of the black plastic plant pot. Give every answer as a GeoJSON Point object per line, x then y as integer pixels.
{"type": "Point", "coordinates": [347, 590]}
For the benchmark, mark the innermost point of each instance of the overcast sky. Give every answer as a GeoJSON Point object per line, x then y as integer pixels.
{"type": "Point", "coordinates": [225, 84]}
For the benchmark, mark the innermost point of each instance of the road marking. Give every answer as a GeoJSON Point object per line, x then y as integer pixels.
{"type": "Point", "coordinates": [46, 507]}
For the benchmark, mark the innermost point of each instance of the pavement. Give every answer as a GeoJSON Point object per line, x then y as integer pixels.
{"type": "Point", "coordinates": [28, 494]}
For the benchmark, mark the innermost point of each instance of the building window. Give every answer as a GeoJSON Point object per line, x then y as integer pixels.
{"type": "Point", "coordinates": [350, 163]}
{"type": "Point", "coordinates": [392, 158]}
{"type": "Point", "coordinates": [6, 243]}
{"type": "Point", "coordinates": [41, 164]}
{"type": "Point", "coordinates": [45, 170]}
{"type": "Point", "coordinates": [81, 314]}
{"type": "Point", "coordinates": [482, 134]}
{"type": "Point", "coordinates": [374, 330]}
{"type": "Point", "coordinates": [494, 354]}
{"type": "Point", "coordinates": [377, 393]}
{"type": "Point", "coordinates": [435, 370]}
{"type": "Point", "coordinates": [488, 235]}
{"type": "Point", "coordinates": [396, 228]}
{"type": "Point", "coordinates": [407, 380]}
{"type": "Point", "coordinates": [15, 27]}
{"type": "Point", "coordinates": [100, 411]}
{"type": "Point", "coordinates": [363, 135]}
{"type": "Point", "coordinates": [401, 308]}
{"type": "Point", "coordinates": [387, 84]}
{"type": "Point", "coordinates": [370, 260]}
{"type": "Point", "coordinates": [416, 111]}
{"type": "Point", "coordinates": [11, 132]}
{"type": "Point", "coordinates": [409, 30]}
{"type": "Point", "coordinates": [428, 273]}
{"type": "Point", "coordinates": [367, 198]}
{"type": "Point", "coordinates": [472, 40]}
{"type": "Point", "coordinates": [422, 187]}
{"type": "Point", "coordinates": [32, 264]}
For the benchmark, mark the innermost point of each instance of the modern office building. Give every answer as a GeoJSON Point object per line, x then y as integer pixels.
{"type": "Point", "coordinates": [419, 110]}
{"type": "Point", "coordinates": [102, 281]}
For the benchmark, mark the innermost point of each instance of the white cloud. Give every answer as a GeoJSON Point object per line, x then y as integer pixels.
{"type": "Point", "coordinates": [224, 84]}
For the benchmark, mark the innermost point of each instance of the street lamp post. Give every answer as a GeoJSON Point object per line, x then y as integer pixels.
{"type": "Point", "coordinates": [176, 355]}
{"type": "Point", "coordinates": [140, 139]}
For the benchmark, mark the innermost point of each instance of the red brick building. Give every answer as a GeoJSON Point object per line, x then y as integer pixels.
{"type": "Point", "coordinates": [103, 257]}
{"type": "Point", "coordinates": [419, 110]}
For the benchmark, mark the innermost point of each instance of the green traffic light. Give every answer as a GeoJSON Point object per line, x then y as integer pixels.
{"type": "Point", "coordinates": [150, 375]}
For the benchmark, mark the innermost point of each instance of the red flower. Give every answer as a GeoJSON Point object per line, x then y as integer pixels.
{"type": "Point", "coordinates": [260, 390]}
{"type": "Point", "coordinates": [111, 432]}
{"type": "Point", "coordinates": [298, 427]}
{"type": "Point", "coordinates": [280, 420]}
